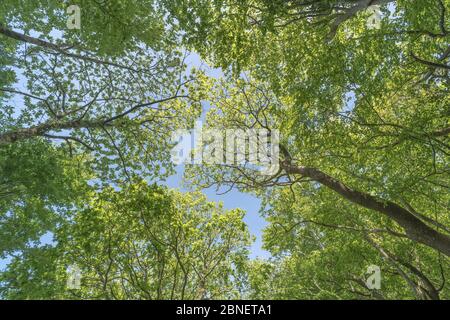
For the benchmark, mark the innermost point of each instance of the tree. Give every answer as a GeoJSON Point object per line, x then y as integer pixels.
{"type": "Point", "coordinates": [120, 107]}
{"type": "Point", "coordinates": [81, 109]}
{"type": "Point", "coordinates": [38, 185]}
{"type": "Point", "coordinates": [362, 113]}
{"type": "Point", "coordinates": [141, 242]}
{"type": "Point", "coordinates": [337, 145]}
{"type": "Point", "coordinates": [363, 174]}
{"type": "Point", "coordinates": [322, 249]}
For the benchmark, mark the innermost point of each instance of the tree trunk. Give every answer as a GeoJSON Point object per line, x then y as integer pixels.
{"type": "Point", "coordinates": [414, 228]}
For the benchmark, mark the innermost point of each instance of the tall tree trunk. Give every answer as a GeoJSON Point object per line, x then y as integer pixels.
{"type": "Point", "coordinates": [39, 130]}
{"type": "Point", "coordinates": [414, 228]}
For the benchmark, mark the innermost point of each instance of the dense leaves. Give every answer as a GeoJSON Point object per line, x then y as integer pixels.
{"type": "Point", "coordinates": [85, 125]}
{"type": "Point", "coordinates": [142, 242]}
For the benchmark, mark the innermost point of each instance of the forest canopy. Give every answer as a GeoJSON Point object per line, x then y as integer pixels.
{"type": "Point", "coordinates": [357, 90]}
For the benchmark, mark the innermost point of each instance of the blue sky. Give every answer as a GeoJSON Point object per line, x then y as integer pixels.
{"type": "Point", "coordinates": [232, 199]}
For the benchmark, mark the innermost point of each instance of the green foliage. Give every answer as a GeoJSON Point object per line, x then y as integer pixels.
{"type": "Point", "coordinates": [86, 114]}
{"type": "Point", "coordinates": [141, 242]}
{"type": "Point", "coordinates": [363, 106]}
{"type": "Point", "coordinates": [107, 27]}
{"type": "Point", "coordinates": [38, 185]}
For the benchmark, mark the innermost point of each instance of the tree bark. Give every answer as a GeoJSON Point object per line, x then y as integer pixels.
{"type": "Point", "coordinates": [349, 13]}
{"type": "Point", "coordinates": [62, 49]}
{"type": "Point", "coordinates": [39, 130]}
{"type": "Point", "coordinates": [414, 228]}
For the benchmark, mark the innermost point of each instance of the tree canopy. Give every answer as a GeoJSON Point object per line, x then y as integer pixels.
{"type": "Point", "coordinates": [357, 89]}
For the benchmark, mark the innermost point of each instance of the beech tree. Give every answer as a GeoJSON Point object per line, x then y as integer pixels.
{"type": "Point", "coordinates": [142, 242]}
{"type": "Point", "coordinates": [358, 90]}
{"type": "Point", "coordinates": [113, 103]}
{"type": "Point", "coordinates": [363, 116]}
{"type": "Point", "coordinates": [95, 105]}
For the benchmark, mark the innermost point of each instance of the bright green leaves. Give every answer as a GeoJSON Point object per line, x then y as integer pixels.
{"type": "Point", "coordinates": [369, 107]}
{"type": "Point", "coordinates": [107, 28]}
{"type": "Point", "coordinates": [118, 104]}
{"type": "Point", "coordinates": [32, 276]}
{"type": "Point", "coordinates": [38, 185]}
{"type": "Point", "coordinates": [146, 242]}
